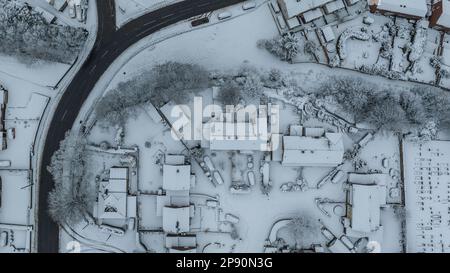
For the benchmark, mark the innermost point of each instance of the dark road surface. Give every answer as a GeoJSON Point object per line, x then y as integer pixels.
{"type": "Point", "coordinates": [109, 45]}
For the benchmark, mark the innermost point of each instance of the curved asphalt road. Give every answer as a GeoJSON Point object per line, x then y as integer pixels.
{"type": "Point", "coordinates": [108, 46]}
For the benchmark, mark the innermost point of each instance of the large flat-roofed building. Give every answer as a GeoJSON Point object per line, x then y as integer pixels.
{"type": "Point", "coordinates": [366, 197]}
{"type": "Point", "coordinates": [313, 147]}
{"type": "Point", "coordinates": [440, 16]}
{"type": "Point", "coordinates": [412, 9]}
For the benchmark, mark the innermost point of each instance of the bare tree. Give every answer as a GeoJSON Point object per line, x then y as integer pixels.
{"type": "Point", "coordinates": [230, 93]}
{"type": "Point", "coordinates": [72, 198]}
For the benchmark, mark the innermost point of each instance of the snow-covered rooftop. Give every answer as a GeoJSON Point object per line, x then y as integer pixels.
{"type": "Point", "coordinates": [234, 136]}
{"type": "Point", "coordinates": [176, 220]}
{"type": "Point", "coordinates": [113, 206]}
{"type": "Point", "coordinates": [366, 202]}
{"type": "Point", "coordinates": [118, 173]}
{"type": "Point", "coordinates": [293, 8]}
{"type": "Point", "coordinates": [444, 19]}
{"type": "Point", "coordinates": [312, 15]}
{"type": "Point", "coordinates": [416, 8]}
{"type": "Point", "coordinates": [177, 178]}
{"type": "Point", "coordinates": [310, 151]}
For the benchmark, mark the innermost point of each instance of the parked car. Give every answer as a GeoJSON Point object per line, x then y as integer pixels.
{"type": "Point", "coordinates": [249, 5]}
{"type": "Point", "coordinates": [72, 10]}
{"type": "Point", "coordinates": [3, 239]}
{"type": "Point", "coordinates": [200, 21]}
{"type": "Point", "coordinates": [327, 234]}
{"type": "Point", "coordinates": [224, 15]}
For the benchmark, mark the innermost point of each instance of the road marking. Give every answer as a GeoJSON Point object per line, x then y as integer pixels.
{"type": "Point", "coordinates": [203, 5]}
{"type": "Point", "coordinates": [149, 23]}
{"type": "Point", "coordinates": [92, 69]}
{"type": "Point", "coordinates": [63, 116]}
{"type": "Point", "coordinates": [104, 54]}
{"type": "Point", "coordinates": [168, 15]}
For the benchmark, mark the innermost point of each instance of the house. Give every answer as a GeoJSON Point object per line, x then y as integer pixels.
{"type": "Point", "coordinates": [233, 136]}
{"type": "Point", "coordinates": [174, 206]}
{"type": "Point", "coordinates": [176, 219]}
{"type": "Point", "coordinates": [440, 16]}
{"type": "Point", "coordinates": [314, 147]}
{"type": "Point", "coordinates": [240, 130]}
{"type": "Point", "coordinates": [411, 9]}
{"type": "Point", "coordinates": [334, 6]}
{"type": "Point", "coordinates": [366, 197]}
{"type": "Point", "coordinates": [181, 244]}
{"type": "Point", "coordinates": [113, 198]}
{"type": "Point", "coordinates": [294, 8]}
{"type": "Point", "coordinates": [176, 177]}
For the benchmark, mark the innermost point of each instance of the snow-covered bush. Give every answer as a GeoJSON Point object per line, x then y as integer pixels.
{"type": "Point", "coordinates": [311, 48]}
{"type": "Point", "coordinates": [377, 69]}
{"type": "Point", "coordinates": [417, 47]}
{"type": "Point", "coordinates": [25, 33]}
{"type": "Point", "coordinates": [386, 50]}
{"type": "Point", "coordinates": [349, 34]}
{"type": "Point", "coordinates": [284, 47]}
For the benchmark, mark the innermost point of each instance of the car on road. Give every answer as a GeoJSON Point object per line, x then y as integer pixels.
{"type": "Point", "coordinates": [224, 15]}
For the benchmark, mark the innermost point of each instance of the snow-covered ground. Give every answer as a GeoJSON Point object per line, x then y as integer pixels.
{"type": "Point", "coordinates": [223, 47]}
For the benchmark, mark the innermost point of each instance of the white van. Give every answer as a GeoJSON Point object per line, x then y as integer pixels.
{"type": "Point", "coordinates": [224, 15]}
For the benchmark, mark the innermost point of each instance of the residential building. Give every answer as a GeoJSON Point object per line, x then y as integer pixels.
{"type": "Point", "coordinates": [366, 197]}
{"type": "Point", "coordinates": [174, 206]}
{"type": "Point", "coordinates": [313, 147]}
{"type": "Point", "coordinates": [113, 202]}
{"type": "Point", "coordinates": [412, 9]}
{"type": "Point", "coordinates": [294, 8]}
{"type": "Point", "coordinates": [440, 16]}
